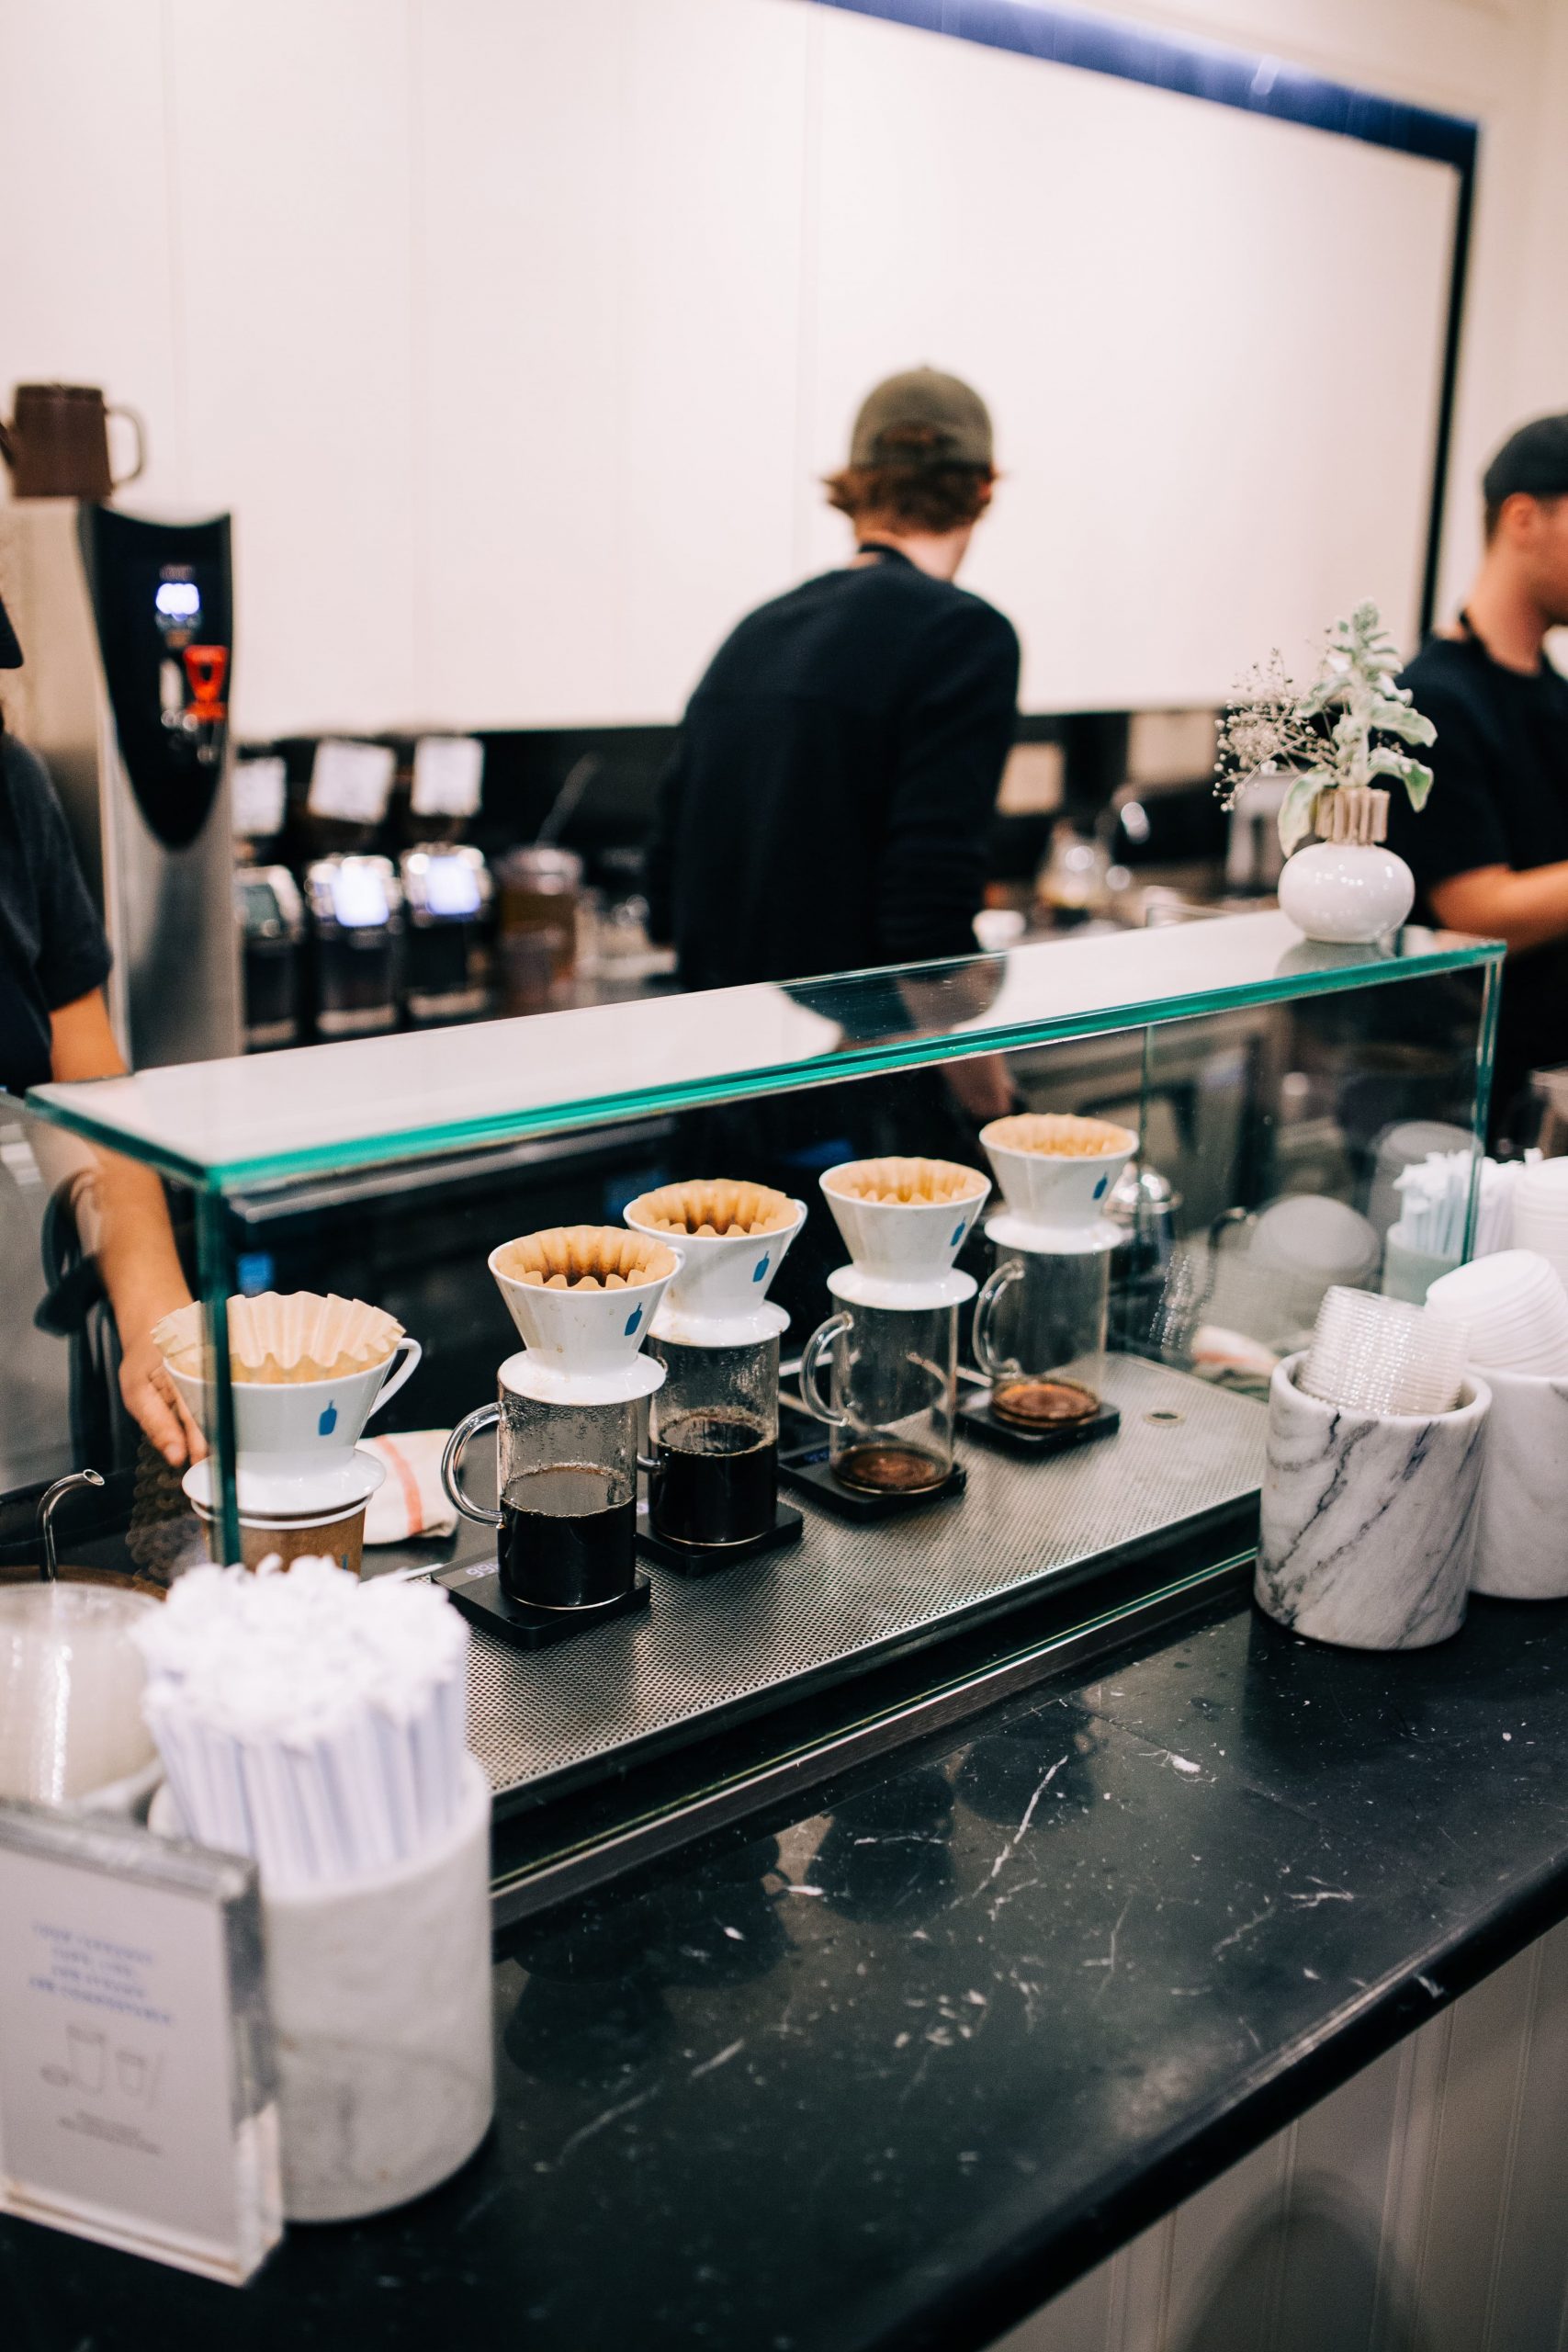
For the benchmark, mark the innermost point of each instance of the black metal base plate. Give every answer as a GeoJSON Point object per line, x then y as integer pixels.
{"type": "Point", "coordinates": [1055, 1437]}
{"type": "Point", "coordinates": [710, 1559]}
{"type": "Point", "coordinates": [484, 1601]}
{"type": "Point", "coordinates": [810, 1473]}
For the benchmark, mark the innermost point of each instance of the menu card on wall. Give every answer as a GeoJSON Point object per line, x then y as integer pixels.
{"type": "Point", "coordinates": [260, 797]}
{"type": "Point", "coordinates": [448, 772]}
{"type": "Point", "coordinates": [136, 2081]}
{"type": "Point", "coordinates": [351, 781]}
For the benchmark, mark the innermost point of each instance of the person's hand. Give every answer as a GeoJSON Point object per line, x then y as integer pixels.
{"type": "Point", "coordinates": [154, 1403]}
{"type": "Point", "coordinates": [983, 1088]}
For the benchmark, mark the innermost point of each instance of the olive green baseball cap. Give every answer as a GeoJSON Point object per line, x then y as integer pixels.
{"type": "Point", "coordinates": [922, 418]}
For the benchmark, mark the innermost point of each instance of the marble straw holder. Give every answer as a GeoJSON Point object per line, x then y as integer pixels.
{"type": "Point", "coordinates": [380, 1997]}
{"type": "Point", "coordinates": [1521, 1550]}
{"type": "Point", "coordinates": [1369, 1520]}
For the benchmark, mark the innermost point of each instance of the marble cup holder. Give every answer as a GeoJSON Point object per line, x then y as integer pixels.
{"type": "Point", "coordinates": [380, 1994]}
{"type": "Point", "coordinates": [1369, 1520]}
{"type": "Point", "coordinates": [1521, 1550]}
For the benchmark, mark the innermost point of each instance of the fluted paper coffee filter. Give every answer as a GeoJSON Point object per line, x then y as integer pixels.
{"type": "Point", "coordinates": [906, 1182]}
{"type": "Point", "coordinates": [710, 1206]}
{"type": "Point", "coordinates": [585, 1256]}
{"type": "Point", "coordinates": [1373, 1355]}
{"type": "Point", "coordinates": [1062, 1134]}
{"type": "Point", "coordinates": [283, 1335]}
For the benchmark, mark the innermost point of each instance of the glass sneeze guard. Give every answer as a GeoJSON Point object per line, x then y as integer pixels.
{"type": "Point", "coordinates": [227, 1126]}
{"type": "Point", "coordinates": [1253, 1064]}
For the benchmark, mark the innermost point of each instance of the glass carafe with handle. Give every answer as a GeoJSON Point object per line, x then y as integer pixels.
{"type": "Point", "coordinates": [1040, 1327]}
{"type": "Point", "coordinates": [566, 1484]}
{"type": "Point", "coordinates": [583, 1298]}
{"type": "Point", "coordinates": [884, 1381]}
{"type": "Point", "coordinates": [713, 1462]}
{"type": "Point", "coordinates": [714, 1426]}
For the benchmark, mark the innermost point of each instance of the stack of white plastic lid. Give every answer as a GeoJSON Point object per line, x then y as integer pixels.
{"type": "Point", "coordinates": [1370, 1354]}
{"type": "Point", "coordinates": [1516, 1309]}
{"type": "Point", "coordinates": [1540, 1212]}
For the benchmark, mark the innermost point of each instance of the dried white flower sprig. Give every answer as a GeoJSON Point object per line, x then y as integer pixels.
{"type": "Point", "coordinates": [1324, 738]}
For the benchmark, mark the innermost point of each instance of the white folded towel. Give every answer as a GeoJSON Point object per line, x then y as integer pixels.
{"type": "Point", "coordinates": [412, 1499]}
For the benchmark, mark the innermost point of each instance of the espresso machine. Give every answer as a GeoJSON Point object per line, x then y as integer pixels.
{"type": "Point", "coordinates": [128, 631]}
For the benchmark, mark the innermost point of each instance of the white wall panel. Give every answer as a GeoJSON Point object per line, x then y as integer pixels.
{"type": "Point", "coordinates": [290, 178]}
{"type": "Point", "coordinates": [709, 299]}
{"type": "Point", "coordinates": [88, 290]}
{"type": "Point", "coordinates": [487, 317]}
{"type": "Point", "coordinates": [1417, 2209]}
{"type": "Point", "coordinates": [610, 202]}
{"type": "Point", "coordinates": [521, 192]}
{"type": "Point", "coordinates": [1200, 463]}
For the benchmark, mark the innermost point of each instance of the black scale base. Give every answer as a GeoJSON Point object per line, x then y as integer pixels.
{"type": "Point", "coordinates": [1053, 1437]}
{"type": "Point", "coordinates": [809, 1472]}
{"type": "Point", "coordinates": [484, 1601]}
{"type": "Point", "coordinates": [711, 1559]}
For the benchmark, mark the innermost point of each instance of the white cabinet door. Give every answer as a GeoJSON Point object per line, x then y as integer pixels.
{"type": "Point", "coordinates": [290, 186]}
{"type": "Point", "coordinates": [89, 295]}
{"type": "Point", "coordinates": [609, 202]}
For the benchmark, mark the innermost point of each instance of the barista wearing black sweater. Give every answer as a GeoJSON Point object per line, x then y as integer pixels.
{"type": "Point", "coordinates": [827, 804]}
{"type": "Point", "coordinates": [1490, 850]}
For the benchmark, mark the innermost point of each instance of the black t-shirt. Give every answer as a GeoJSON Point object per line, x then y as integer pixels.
{"type": "Point", "coordinates": [1500, 797]}
{"type": "Point", "coordinates": [829, 802]}
{"type": "Point", "coordinates": [52, 948]}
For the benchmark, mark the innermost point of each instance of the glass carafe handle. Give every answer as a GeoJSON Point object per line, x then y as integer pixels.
{"type": "Point", "coordinates": [811, 1356]}
{"type": "Point", "coordinates": [485, 1417]}
{"type": "Point", "coordinates": [995, 1367]}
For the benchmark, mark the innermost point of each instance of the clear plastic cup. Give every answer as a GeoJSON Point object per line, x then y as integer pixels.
{"type": "Point", "coordinates": [1380, 1355]}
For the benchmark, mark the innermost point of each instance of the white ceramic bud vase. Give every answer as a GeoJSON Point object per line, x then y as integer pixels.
{"type": "Point", "coordinates": [1348, 886]}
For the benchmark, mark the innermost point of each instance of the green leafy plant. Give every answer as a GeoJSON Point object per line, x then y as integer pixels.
{"type": "Point", "coordinates": [1327, 738]}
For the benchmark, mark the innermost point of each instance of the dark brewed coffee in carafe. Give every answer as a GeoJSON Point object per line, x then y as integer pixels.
{"type": "Point", "coordinates": [885, 1467]}
{"type": "Point", "coordinates": [565, 1541]}
{"type": "Point", "coordinates": [715, 1477]}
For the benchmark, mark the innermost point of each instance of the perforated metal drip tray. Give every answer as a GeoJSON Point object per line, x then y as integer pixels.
{"type": "Point", "coordinates": [767, 1632]}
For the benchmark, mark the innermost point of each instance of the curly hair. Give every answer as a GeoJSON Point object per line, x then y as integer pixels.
{"type": "Point", "coordinates": [914, 498]}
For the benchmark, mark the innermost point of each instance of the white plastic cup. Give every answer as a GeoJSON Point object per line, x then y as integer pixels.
{"type": "Point", "coordinates": [1379, 1356]}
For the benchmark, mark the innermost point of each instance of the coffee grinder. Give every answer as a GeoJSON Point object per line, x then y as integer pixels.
{"type": "Point", "coordinates": [583, 1297]}
{"type": "Point", "coordinates": [1039, 1331]}
{"type": "Point", "coordinates": [713, 1427]}
{"type": "Point", "coordinates": [272, 930]}
{"type": "Point", "coordinates": [447, 894]}
{"type": "Point", "coordinates": [890, 1356]}
{"type": "Point", "coordinates": [357, 925]}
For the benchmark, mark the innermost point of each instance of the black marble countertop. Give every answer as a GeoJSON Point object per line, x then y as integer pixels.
{"type": "Point", "coordinates": [891, 2073]}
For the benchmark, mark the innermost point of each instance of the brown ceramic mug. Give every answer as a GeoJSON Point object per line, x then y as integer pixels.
{"type": "Point", "coordinates": [57, 443]}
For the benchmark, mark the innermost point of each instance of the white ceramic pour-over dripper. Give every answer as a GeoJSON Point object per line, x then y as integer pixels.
{"type": "Point", "coordinates": [719, 1297]}
{"type": "Point", "coordinates": [1057, 1192]}
{"type": "Point", "coordinates": [299, 1429]}
{"type": "Point", "coordinates": [904, 1251]}
{"type": "Point", "coordinates": [581, 1346]}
